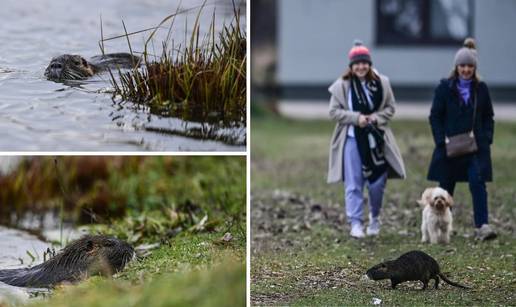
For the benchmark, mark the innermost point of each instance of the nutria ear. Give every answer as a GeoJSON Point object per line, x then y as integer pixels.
{"type": "Point", "coordinates": [109, 242]}
{"type": "Point", "coordinates": [89, 245]}
{"type": "Point", "coordinates": [383, 267]}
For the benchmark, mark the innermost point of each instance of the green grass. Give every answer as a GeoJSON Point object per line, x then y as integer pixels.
{"type": "Point", "coordinates": [187, 204]}
{"type": "Point", "coordinates": [188, 271]}
{"type": "Point", "coordinates": [299, 258]}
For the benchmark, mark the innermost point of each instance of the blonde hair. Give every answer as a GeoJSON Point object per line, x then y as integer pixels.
{"type": "Point", "coordinates": [454, 74]}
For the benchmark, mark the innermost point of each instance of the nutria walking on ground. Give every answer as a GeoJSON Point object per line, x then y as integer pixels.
{"type": "Point", "coordinates": [75, 67]}
{"type": "Point", "coordinates": [90, 255]}
{"type": "Point", "coordinates": [414, 265]}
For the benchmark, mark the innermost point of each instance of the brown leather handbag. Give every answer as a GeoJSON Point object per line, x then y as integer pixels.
{"type": "Point", "coordinates": [463, 143]}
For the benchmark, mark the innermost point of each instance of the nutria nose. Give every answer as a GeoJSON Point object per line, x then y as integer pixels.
{"type": "Point", "coordinates": [56, 66]}
{"type": "Point", "coordinates": [54, 73]}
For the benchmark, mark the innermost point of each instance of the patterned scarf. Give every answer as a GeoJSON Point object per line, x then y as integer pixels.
{"type": "Point", "coordinates": [370, 141]}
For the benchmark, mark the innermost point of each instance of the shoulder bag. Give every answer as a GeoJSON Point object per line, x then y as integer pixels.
{"type": "Point", "coordinates": [463, 143]}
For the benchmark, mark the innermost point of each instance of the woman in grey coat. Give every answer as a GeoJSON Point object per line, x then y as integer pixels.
{"type": "Point", "coordinates": [363, 149]}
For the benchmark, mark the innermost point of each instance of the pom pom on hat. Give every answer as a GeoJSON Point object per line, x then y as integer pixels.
{"type": "Point", "coordinates": [467, 55]}
{"type": "Point", "coordinates": [358, 42]}
{"type": "Point", "coordinates": [359, 53]}
{"type": "Point", "coordinates": [470, 43]}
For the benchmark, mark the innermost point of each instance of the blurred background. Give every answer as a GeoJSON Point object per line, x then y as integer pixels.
{"type": "Point", "coordinates": [299, 47]}
{"type": "Point", "coordinates": [41, 193]}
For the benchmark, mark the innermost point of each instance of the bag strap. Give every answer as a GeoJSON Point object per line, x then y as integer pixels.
{"type": "Point", "coordinates": [474, 109]}
{"type": "Point", "coordinates": [471, 134]}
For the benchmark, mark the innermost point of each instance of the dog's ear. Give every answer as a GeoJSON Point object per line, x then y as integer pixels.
{"type": "Point", "coordinates": [426, 197]}
{"type": "Point", "coordinates": [449, 200]}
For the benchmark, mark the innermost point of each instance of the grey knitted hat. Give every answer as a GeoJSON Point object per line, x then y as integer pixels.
{"type": "Point", "coordinates": [467, 54]}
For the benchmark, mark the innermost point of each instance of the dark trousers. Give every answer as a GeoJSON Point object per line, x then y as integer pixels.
{"type": "Point", "coordinates": [477, 187]}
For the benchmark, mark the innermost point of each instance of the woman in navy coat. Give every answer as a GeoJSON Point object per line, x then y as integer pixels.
{"type": "Point", "coordinates": [452, 114]}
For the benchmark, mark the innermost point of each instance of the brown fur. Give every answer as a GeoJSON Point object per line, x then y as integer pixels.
{"type": "Point", "coordinates": [90, 255]}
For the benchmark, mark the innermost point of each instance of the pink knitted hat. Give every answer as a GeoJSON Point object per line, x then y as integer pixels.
{"type": "Point", "coordinates": [359, 53]}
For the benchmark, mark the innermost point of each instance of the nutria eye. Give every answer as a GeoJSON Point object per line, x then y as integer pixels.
{"type": "Point", "coordinates": [84, 62]}
{"type": "Point", "coordinates": [76, 60]}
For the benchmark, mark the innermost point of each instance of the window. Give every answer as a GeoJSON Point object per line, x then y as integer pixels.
{"type": "Point", "coordinates": [423, 22]}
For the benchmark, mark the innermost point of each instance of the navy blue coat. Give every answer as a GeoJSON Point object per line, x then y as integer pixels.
{"type": "Point", "coordinates": [450, 116]}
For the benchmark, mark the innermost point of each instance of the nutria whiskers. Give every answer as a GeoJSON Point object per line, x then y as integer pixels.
{"type": "Point", "coordinates": [414, 265]}
{"type": "Point", "coordinates": [90, 255]}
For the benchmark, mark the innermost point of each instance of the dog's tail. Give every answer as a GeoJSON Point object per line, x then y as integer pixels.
{"type": "Point", "coordinates": [452, 283]}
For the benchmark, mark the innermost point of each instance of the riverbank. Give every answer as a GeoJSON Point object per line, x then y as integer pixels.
{"type": "Point", "coordinates": [190, 270]}
{"type": "Point", "coordinates": [184, 215]}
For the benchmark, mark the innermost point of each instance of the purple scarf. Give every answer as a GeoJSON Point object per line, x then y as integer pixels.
{"type": "Point", "coordinates": [463, 86]}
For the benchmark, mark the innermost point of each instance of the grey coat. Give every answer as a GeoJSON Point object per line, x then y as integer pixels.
{"type": "Point", "coordinates": [339, 112]}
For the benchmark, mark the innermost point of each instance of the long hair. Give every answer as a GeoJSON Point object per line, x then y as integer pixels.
{"type": "Point", "coordinates": [454, 74]}
{"type": "Point", "coordinates": [371, 75]}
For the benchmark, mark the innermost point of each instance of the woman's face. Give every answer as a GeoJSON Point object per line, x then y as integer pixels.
{"type": "Point", "coordinates": [360, 69]}
{"type": "Point", "coordinates": [466, 71]}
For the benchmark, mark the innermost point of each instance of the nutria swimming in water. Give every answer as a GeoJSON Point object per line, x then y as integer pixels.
{"type": "Point", "coordinates": [90, 255]}
{"type": "Point", "coordinates": [75, 67]}
{"type": "Point", "coordinates": [414, 265]}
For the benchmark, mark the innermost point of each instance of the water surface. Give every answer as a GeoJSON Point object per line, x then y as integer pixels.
{"type": "Point", "coordinates": [41, 115]}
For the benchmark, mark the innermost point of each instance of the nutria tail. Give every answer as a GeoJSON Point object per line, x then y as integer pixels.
{"type": "Point", "coordinates": [452, 282]}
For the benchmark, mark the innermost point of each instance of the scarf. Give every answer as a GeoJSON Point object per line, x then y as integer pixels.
{"type": "Point", "coordinates": [370, 141]}
{"type": "Point", "coordinates": [464, 88]}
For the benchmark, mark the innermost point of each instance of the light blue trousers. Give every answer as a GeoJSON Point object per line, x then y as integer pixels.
{"type": "Point", "coordinates": [354, 185]}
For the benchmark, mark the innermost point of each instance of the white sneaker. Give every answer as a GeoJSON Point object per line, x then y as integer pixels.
{"type": "Point", "coordinates": [485, 233]}
{"type": "Point", "coordinates": [357, 231]}
{"type": "Point", "coordinates": [373, 229]}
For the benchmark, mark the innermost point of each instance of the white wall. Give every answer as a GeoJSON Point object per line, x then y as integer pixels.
{"type": "Point", "coordinates": [314, 37]}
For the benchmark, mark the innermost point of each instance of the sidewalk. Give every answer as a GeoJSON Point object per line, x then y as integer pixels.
{"type": "Point", "coordinates": [405, 110]}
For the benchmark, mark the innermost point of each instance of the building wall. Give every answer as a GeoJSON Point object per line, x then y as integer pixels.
{"type": "Point", "coordinates": [314, 37]}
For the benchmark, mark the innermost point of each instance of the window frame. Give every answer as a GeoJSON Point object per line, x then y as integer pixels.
{"type": "Point", "coordinates": [426, 40]}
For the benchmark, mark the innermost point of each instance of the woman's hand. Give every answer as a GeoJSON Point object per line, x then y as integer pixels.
{"type": "Point", "coordinates": [372, 119]}
{"type": "Point", "coordinates": [362, 120]}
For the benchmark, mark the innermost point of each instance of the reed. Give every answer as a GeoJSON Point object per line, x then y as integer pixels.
{"type": "Point", "coordinates": [202, 80]}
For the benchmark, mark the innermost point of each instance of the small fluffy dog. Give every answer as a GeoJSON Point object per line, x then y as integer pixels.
{"type": "Point", "coordinates": [437, 218]}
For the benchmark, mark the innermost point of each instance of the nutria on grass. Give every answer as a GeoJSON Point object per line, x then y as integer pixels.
{"type": "Point", "coordinates": [414, 265]}
{"type": "Point", "coordinates": [75, 67]}
{"type": "Point", "coordinates": [90, 255]}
